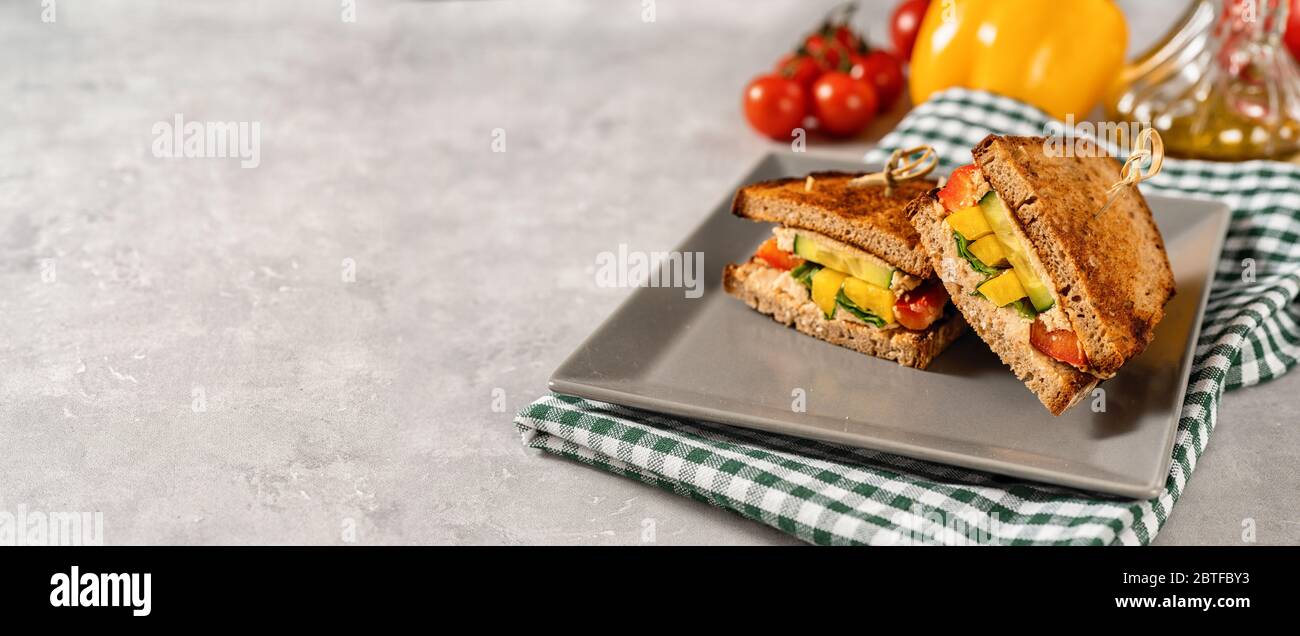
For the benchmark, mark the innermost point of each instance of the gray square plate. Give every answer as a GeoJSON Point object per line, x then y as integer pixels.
{"type": "Point", "coordinates": [713, 358]}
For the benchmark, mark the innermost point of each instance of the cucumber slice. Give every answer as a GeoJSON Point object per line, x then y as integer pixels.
{"type": "Point", "coordinates": [999, 218]}
{"type": "Point", "coordinates": [856, 266]}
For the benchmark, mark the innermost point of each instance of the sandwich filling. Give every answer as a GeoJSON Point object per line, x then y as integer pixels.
{"type": "Point", "coordinates": [992, 243]}
{"type": "Point", "coordinates": [848, 283]}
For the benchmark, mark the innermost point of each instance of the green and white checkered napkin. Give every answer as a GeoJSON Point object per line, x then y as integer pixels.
{"type": "Point", "coordinates": [831, 494]}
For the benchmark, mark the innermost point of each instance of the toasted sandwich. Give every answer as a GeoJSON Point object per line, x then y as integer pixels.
{"type": "Point", "coordinates": [1064, 288]}
{"type": "Point", "coordinates": [845, 265]}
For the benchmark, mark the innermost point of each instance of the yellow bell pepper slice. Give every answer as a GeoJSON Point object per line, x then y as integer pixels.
{"type": "Point", "coordinates": [825, 286]}
{"type": "Point", "coordinates": [970, 222]}
{"type": "Point", "coordinates": [990, 252]}
{"type": "Point", "coordinates": [876, 300]}
{"type": "Point", "coordinates": [1003, 290]}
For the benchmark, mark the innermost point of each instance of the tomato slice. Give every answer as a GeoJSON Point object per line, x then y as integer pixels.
{"type": "Point", "coordinates": [919, 308]}
{"type": "Point", "coordinates": [774, 257]}
{"type": "Point", "coordinates": [1059, 344]}
{"type": "Point", "coordinates": [959, 192]}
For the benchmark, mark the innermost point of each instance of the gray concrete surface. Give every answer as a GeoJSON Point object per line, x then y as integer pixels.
{"type": "Point", "coordinates": [184, 351]}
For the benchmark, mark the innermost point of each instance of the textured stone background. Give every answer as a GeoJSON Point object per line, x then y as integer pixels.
{"type": "Point", "coordinates": [331, 403]}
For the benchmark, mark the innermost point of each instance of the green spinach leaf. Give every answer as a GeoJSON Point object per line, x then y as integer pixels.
{"type": "Point", "coordinates": [862, 314]}
{"type": "Point", "coordinates": [1025, 308]}
{"type": "Point", "coordinates": [804, 273]}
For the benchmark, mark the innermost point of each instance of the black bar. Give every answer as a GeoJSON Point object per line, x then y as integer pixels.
{"type": "Point", "coordinates": [325, 584]}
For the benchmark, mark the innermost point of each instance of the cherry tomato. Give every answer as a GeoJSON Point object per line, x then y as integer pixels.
{"type": "Point", "coordinates": [827, 53]}
{"type": "Point", "coordinates": [774, 257]}
{"type": "Point", "coordinates": [885, 74]}
{"type": "Point", "coordinates": [959, 192]}
{"type": "Point", "coordinates": [800, 68]}
{"type": "Point", "coordinates": [1293, 29]}
{"type": "Point", "coordinates": [847, 38]}
{"type": "Point", "coordinates": [1060, 344]}
{"type": "Point", "coordinates": [775, 106]}
{"type": "Point", "coordinates": [904, 25]}
{"type": "Point", "coordinates": [843, 106]}
{"type": "Point", "coordinates": [919, 308]}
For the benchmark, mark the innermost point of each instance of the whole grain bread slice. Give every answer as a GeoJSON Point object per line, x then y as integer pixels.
{"type": "Point", "coordinates": [752, 282]}
{"type": "Point", "coordinates": [1110, 272]}
{"type": "Point", "coordinates": [862, 216]}
{"type": "Point", "coordinates": [1057, 385]}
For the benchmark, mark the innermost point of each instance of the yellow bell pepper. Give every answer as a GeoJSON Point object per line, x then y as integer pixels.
{"type": "Point", "coordinates": [1059, 55]}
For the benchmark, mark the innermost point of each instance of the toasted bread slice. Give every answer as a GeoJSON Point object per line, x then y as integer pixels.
{"type": "Point", "coordinates": [1110, 272]}
{"type": "Point", "coordinates": [756, 284]}
{"type": "Point", "coordinates": [862, 216]}
{"type": "Point", "coordinates": [1057, 385]}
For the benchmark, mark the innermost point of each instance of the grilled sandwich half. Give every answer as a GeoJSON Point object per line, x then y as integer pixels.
{"type": "Point", "coordinates": [846, 266]}
{"type": "Point", "coordinates": [1065, 296]}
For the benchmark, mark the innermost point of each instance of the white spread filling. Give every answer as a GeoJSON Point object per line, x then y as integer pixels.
{"type": "Point", "coordinates": [790, 286]}
{"type": "Point", "coordinates": [1055, 319]}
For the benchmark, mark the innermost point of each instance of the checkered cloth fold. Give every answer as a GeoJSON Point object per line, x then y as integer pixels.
{"type": "Point", "coordinates": [831, 494]}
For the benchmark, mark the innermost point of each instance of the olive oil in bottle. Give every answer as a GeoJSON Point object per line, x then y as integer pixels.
{"type": "Point", "coordinates": [1220, 86]}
